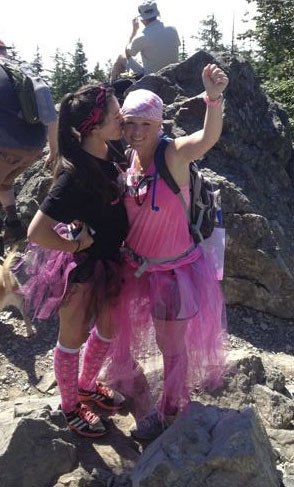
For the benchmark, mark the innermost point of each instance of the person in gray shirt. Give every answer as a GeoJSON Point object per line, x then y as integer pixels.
{"type": "Point", "coordinates": [157, 44]}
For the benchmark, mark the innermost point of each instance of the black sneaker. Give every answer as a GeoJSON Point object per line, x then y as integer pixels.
{"type": "Point", "coordinates": [14, 231]}
{"type": "Point", "coordinates": [84, 422]}
{"type": "Point", "coordinates": [151, 426]}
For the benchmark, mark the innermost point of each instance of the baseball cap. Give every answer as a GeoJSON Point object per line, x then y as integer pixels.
{"type": "Point", "coordinates": [148, 10]}
{"type": "Point", "coordinates": [2, 44]}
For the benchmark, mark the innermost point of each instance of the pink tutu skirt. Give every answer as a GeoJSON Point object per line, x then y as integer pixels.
{"type": "Point", "coordinates": [171, 325]}
{"type": "Point", "coordinates": [50, 273]}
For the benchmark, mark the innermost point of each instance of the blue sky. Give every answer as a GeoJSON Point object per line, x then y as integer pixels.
{"type": "Point", "coordinates": [103, 27]}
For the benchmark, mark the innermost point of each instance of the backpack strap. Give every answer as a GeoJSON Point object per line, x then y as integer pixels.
{"type": "Point", "coordinates": [164, 173]}
{"type": "Point", "coordinates": [196, 201]}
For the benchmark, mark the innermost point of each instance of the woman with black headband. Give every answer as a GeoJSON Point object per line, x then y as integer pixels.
{"type": "Point", "coordinates": [78, 275]}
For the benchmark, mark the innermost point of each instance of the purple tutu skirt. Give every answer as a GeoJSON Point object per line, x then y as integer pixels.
{"type": "Point", "coordinates": [49, 275]}
{"type": "Point", "coordinates": [171, 325]}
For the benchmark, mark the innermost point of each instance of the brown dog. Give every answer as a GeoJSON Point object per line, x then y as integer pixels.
{"type": "Point", "coordinates": [9, 286]}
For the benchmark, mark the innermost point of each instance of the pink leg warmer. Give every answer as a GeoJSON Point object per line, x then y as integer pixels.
{"type": "Point", "coordinates": [171, 341]}
{"type": "Point", "coordinates": [95, 350]}
{"type": "Point", "coordinates": [66, 368]}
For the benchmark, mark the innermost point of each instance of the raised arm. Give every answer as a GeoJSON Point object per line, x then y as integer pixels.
{"type": "Point", "coordinates": [136, 25]}
{"type": "Point", "coordinates": [185, 149]}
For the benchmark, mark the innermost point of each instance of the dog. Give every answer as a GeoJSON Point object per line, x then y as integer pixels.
{"type": "Point", "coordinates": [9, 290]}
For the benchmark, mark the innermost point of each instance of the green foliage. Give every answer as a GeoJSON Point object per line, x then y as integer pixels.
{"type": "Point", "coordinates": [108, 69]}
{"type": "Point", "coordinates": [60, 77]}
{"type": "Point", "coordinates": [282, 91]}
{"type": "Point", "coordinates": [274, 32]}
{"type": "Point", "coordinates": [37, 63]}
{"type": "Point", "coordinates": [98, 74]}
{"type": "Point", "coordinates": [209, 35]}
{"type": "Point", "coordinates": [13, 53]}
{"type": "Point", "coordinates": [274, 40]}
{"type": "Point", "coordinates": [79, 75]}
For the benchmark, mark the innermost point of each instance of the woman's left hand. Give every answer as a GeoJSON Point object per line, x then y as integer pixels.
{"type": "Point", "coordinates": [214, 80]}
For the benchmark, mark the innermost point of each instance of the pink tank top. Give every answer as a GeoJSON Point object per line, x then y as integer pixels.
{"type": "Point", "coordinates": [163, 233]}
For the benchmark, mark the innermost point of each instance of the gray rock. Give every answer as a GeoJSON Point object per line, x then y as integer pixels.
{"type": "Point", "coordinates": [34, 451]}
{"type": "Point", "coordinates": [212, 447]}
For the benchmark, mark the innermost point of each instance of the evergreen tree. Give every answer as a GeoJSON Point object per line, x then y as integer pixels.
{"type": "Point", "coordinates": [98, 74]}
{"type": "Point", "coordinates": [78, 67]}
{"type": "Point", "coordinates": [246, 46]}
{"type": "Point", "coordinates": [13, 53]}
{"type": "Point", "coordinates": [274, 38]}
{"type": "Point", "coordinates": [37, 63]}
{"type": "Point", "coordinates": [209, 35]}
{"type": "Point", "coordinates": [108, 69]}
{"type": "Point", "coordinates": [183, 53]}
{"type": "Point", "coordinates": [60, 77]}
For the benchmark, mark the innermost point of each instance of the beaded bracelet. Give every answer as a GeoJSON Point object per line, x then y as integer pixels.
{"type": "Point", "coordinates": [78, 247]}
{"type": "Point", "coordinates": [213, 103]}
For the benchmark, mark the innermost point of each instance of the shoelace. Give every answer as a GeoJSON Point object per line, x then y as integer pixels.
{"type": "Point", "coordinates": [87, 414]}
{"type": "Point", "coordinates": [104, 390]}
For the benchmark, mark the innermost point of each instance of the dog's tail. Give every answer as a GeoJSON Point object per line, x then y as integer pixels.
{"type": "Point", "coordinates": [9, 280]}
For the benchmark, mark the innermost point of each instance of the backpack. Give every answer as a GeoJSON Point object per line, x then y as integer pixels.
{"type": "Point", "coordinates": [26, 85]}
{"type": "Point", "coordinates": [204, 211]}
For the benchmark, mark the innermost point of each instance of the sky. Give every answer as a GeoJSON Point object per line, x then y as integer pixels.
{"type": "Point", "coordinates": [104, 27]}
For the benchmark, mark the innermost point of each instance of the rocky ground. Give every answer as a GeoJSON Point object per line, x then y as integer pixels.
{"type": "Point", "coordinates": [24, 362]}
{"type": "Point", "coordinates": [26, 370]}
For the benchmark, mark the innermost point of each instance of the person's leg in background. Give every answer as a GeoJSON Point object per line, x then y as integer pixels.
{"type": "Point", "coordinates": [13, 162]}
{"type": "Point", "coordinates": [14, 230]}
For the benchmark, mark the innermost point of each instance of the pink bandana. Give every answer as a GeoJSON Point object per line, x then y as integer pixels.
{"type": "Point", "coordinates": [95, 115]}
{"type": "Point", "coordinates": [143, 104]}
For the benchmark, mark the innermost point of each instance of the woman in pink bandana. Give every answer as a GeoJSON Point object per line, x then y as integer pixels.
{"type": "Point", "coordinates": [171, 306]}
{"type": "Point", "coordinates": [78, 275]}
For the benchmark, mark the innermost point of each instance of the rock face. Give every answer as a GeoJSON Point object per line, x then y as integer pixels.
{"type": "Point", "coordinates": [253, 165]}
{"type": "Point", "coordinates": [35, 448]}
{"type": "Point", "coordinates": [212, 447]}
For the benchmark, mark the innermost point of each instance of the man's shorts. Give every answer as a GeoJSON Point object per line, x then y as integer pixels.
{"type": "Point", "coordinates": [14, 162]}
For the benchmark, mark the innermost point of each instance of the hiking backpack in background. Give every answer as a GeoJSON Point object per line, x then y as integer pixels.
{"type": "Point", "coordinates": [29, 89]}
{"type": "Point", "coordinates": [204, 211]}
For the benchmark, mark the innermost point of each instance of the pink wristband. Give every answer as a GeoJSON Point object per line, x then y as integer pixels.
{"type": "Point", "coordinates": [213, 103]}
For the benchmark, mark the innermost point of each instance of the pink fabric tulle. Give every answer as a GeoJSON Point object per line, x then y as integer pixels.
{"type": "Point", "coordinates": [50, 272]}
{"type": "Point", "coordinates": [47, 273]}
{"type": "Point", "coordinates": [192, 340]}
{"type": "Point", "coordinates": [170, 322]}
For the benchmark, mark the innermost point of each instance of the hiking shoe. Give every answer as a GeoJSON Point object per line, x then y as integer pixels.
{"type": "Point", "coordinates": [14, 231]}
{"type": "Point", "coordinates": [84, 422]}
{"type": "Point", "coordinates": [151, 426]}
{"type": "Point", "coordinates": [103, 397]}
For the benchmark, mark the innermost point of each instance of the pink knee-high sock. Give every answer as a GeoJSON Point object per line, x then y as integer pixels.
{"type": "Point", "coordinates": [175, 392]}
{"type": "Point", "coordinates": [95, 350]}
{"type": "Point", "coordinates": [66, 368]}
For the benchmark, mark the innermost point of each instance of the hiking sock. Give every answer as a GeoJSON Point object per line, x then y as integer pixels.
{"type": "Point", "coordinates": [94, 352]}
{"type": "Point", "coordinates": [174, 388]}
{"type": "Point", "coordinates": [66, 368]}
